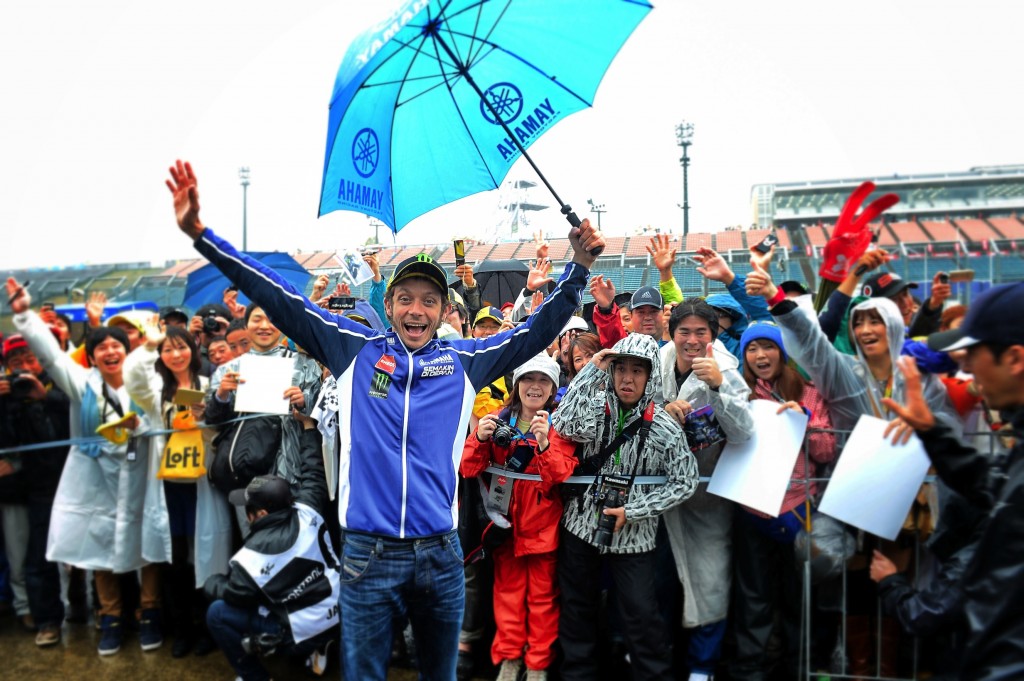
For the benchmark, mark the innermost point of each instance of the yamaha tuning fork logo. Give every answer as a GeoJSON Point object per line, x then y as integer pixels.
{"type": "Point", "coordinates": [512, 108]}
{"type": "Point", "coordinates": [365, 152]}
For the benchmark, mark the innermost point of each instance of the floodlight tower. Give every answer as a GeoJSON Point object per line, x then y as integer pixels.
{"type": "Point", "coordinates": [243, 176]}
{"type": "Point", "coordinates": [597, 208]}
{"type": "Point", "coordinates": [684, 138]}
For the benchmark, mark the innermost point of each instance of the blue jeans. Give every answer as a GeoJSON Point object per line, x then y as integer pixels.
{"type": "Point", "coordinates": [386, 579]}
{"type": "Point", "coordinates": [228, 625]}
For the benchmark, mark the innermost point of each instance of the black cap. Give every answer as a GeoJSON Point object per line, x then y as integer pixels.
{"type": "Point", "coordinates": [173, 311]}
{"type": "Point", "coordinates": [268, 492]}
{"type": "Point", "coordinates": [792, 286]}
{"type": "Point", "coordinates": [421, 265]}
{"type": "Point", "coordinates": [622, 299]}
{"type": "Point", "coordinates": [215, 310]}
{"type": "Point", "coordinates": [885, 285]}
{"type": "Point", "coordinates": [991, 318]}
{"type": "Point", "coordinates": [647, 295]}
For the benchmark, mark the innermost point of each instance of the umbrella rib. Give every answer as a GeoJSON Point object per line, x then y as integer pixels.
{"type": "Point", "coordinates": [469, 131]}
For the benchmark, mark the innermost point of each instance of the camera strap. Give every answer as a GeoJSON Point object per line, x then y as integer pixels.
{"type": "Point", "coordinates": [111, 399]}
{"type": "Point", "coordinates": [641, 427]}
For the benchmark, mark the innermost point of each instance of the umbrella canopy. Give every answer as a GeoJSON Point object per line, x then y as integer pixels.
{"type": "Point", "coordinates": [207, 284]}
{"type": "Point", "coordinates": [500, 281]}
{"type": "Point", "coordinates": [437, 101]}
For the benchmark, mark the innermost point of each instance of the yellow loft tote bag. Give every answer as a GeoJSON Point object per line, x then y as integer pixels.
{"type": "Point", "coordinates": [183, 459]}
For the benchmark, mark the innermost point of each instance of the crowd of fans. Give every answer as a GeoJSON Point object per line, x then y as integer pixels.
{"type": "Point", "coordinates": [579, 539]}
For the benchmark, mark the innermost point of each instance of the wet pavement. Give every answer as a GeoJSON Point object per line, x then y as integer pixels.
{"type": "Point", "coordinates": [75, 658]}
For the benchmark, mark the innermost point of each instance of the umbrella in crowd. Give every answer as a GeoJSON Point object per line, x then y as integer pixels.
{"type": "Point", "coordinates": [500, 281]}
{"type": "Point", "coordinates": [437, 101]}
{"type": "Point", "coordinates": [207, 284]}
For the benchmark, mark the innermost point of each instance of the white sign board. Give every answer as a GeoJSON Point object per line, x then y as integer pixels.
{"type": "Point", "coordinates": [264, 381]}
{"type": "Point", "coordinates": [756, 473]}
{"type": "Point", "coordinates": [875, 481]}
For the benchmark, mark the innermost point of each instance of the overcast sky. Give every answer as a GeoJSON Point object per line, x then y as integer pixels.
{"type": "Point", "coordinates": [100, 97]}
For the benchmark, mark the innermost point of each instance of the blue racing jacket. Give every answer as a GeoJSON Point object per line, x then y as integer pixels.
{"type": "Point", "coordinates": [403, 414]}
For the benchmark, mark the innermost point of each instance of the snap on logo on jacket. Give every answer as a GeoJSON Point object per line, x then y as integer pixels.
{"type": "Point", "coordinates": [386, 363]}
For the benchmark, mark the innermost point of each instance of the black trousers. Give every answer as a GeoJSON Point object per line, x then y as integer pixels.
{"type": "Point", "coordinates": [767, 588]}
{"type": "Point", "coordinates": [579, 575]}
{"type": "Point", "coordinates": [42, 578]}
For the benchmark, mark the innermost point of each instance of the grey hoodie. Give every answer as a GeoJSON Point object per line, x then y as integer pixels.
{"type": "Point", "coordinates": [845, 381]}
{"type": "Point", "coordinates": [589, 414]}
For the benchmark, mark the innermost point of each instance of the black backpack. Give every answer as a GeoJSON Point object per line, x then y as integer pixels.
{"type": "Point", "coordinates": [245, 450]}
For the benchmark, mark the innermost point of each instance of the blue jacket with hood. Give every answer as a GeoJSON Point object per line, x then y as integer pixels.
{"type": "Point", "coordinates": [730, 337]}
{"type": "Point", "coordinates": [403, 413]}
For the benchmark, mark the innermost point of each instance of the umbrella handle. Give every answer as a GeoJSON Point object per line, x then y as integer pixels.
{"type": "Point", "coordinates": [574, 220]}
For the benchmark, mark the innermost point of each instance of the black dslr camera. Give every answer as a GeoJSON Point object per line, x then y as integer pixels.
{"type": "Point", "coordinates": [611, 495]}
{"type": "Point", "coordinates": [210, 325]}
{"type": "Point", "coordinates": [21, 385]}
{"type": "Point", "coordinates": [503, 434]}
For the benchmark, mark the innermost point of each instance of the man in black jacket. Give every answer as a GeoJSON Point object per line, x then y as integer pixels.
{"type": "Point", "coordinates": [283, 584]}
{"type": "Point", "coordinates": [33, 410]}
{"type": "Point", "coordinates": [993, 337]}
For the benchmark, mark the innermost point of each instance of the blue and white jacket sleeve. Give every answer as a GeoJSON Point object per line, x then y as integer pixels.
{"type": "Point", "coordinates": [325, 336]}
{"type": "Point", "coordinates": [488, 358]}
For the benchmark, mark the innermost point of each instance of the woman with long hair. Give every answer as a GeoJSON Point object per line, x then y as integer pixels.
{"type": "Point", "coordinates": [197, 513]}
{"type": "Point", "coordinates": [767, 579]}
{"type": "Point", "coordinates": [525, 589]}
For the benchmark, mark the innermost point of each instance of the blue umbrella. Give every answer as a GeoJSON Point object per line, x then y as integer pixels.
{"type": "Point", "coordinates": [438, 100]}
{"type": "Point", "coordinates": [207, 284]}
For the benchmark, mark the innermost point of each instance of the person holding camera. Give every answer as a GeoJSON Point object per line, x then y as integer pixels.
{"type": "Point", "coordinates": [610, 411]}
{"type": "Point", "coordinates": [32, 410]}
{"type": "Point", "coordinates": [281, 588]}
{"type": "Point", "coordinates": [525, 591]}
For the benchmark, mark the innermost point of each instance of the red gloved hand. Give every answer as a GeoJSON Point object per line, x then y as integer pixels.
{"type": "Point", "coordinates": [851, 236]}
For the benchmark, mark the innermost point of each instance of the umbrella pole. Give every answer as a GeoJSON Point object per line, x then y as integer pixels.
{"type": "Point", "coordinates": [464, 71]}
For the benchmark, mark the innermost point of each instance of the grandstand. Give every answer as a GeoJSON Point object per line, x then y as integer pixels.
{"type": "Point", "coordinates": [943, 222]}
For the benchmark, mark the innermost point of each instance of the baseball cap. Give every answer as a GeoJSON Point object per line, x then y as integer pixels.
{"type": "Point", "coordinates": [136, 318]}
{"type": "Point", "coordinates": [421, 265]}
{"type": "Point", "coordinates": [647, 295]}
{"type": "Point", "coordinates": [211, 310]}
{"type": "Point", "coordinates": [488, 313]}
{"type": "Point", "coordinates": [541, 364]}
{"type": "Point", "coordinates": [992, 317]}
{"type": "Point", "coordinates": [792, 286]}
{"type": "Point", "coordinates": [14, 343]}
{"type": "Point", "coordinates": [269, 492]}
{"type": "Point", "coordinates": [173, 311]}
{"type": "Point", "coordinates": [574, 324]}
{"type": "Point", "coordinates": [885, 285]}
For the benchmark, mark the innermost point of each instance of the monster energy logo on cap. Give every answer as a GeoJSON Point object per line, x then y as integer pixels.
{"type": "Point", "coordinates": [420, 265]}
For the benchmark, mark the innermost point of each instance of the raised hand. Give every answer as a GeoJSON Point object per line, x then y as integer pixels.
{"type": "Point", "coordinates": [536, 300]}
{"type": "Point", "coordinates": [941, 290]}
{"type": "Point", "coordinates": [916, 414]}
{"type": "Point", "coordinates": [662, 254]}
{"type": "Point", "coordinates": [319, 286]}
{"type": "Point", "coordinates": [185, 191]}
{"type": "Point", "coordinates": [541, 245]}
{"type": "Point", "coordinates": [759, 283]}
{"type": "Point", "coordinates": [587, 243]}
{"type": "Point", "coordinates": [538, 276]}
{"type": "Point", "coordinates": [465, 273]}
{"type": "Point", "coordinates": [17, 296]}
{"type": "Point", "coordinates": [231, 303]}
{"type": "Point", "coordinates": [714, 266]}
{"type": "Point", "coordinates": [602, 359]}
{"type": "Point", "coordinates": [373, 263]}
{"type": "Point", "coordinates": [540, 427]}
{"type": "Point", "coordinates": [706, 368]}
{"type": "Point", "coordinates": [603, 291]}
{"type": "Point", "coordinates": [94, 308]}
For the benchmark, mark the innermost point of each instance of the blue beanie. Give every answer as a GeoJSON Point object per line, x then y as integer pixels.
{"type": "Point", "coordinates": [763, 330]}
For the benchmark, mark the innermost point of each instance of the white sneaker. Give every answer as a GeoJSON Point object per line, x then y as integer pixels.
{"type": "Point", "coordinates": [510, 670]}
{"type": "Point", "coordinates": [536, 674]}
{"type": "Point", "coordinates": [701, 676]}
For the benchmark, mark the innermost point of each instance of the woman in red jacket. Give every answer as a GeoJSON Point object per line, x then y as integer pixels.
{"type": "Point", "coordinates": [525, 588]}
